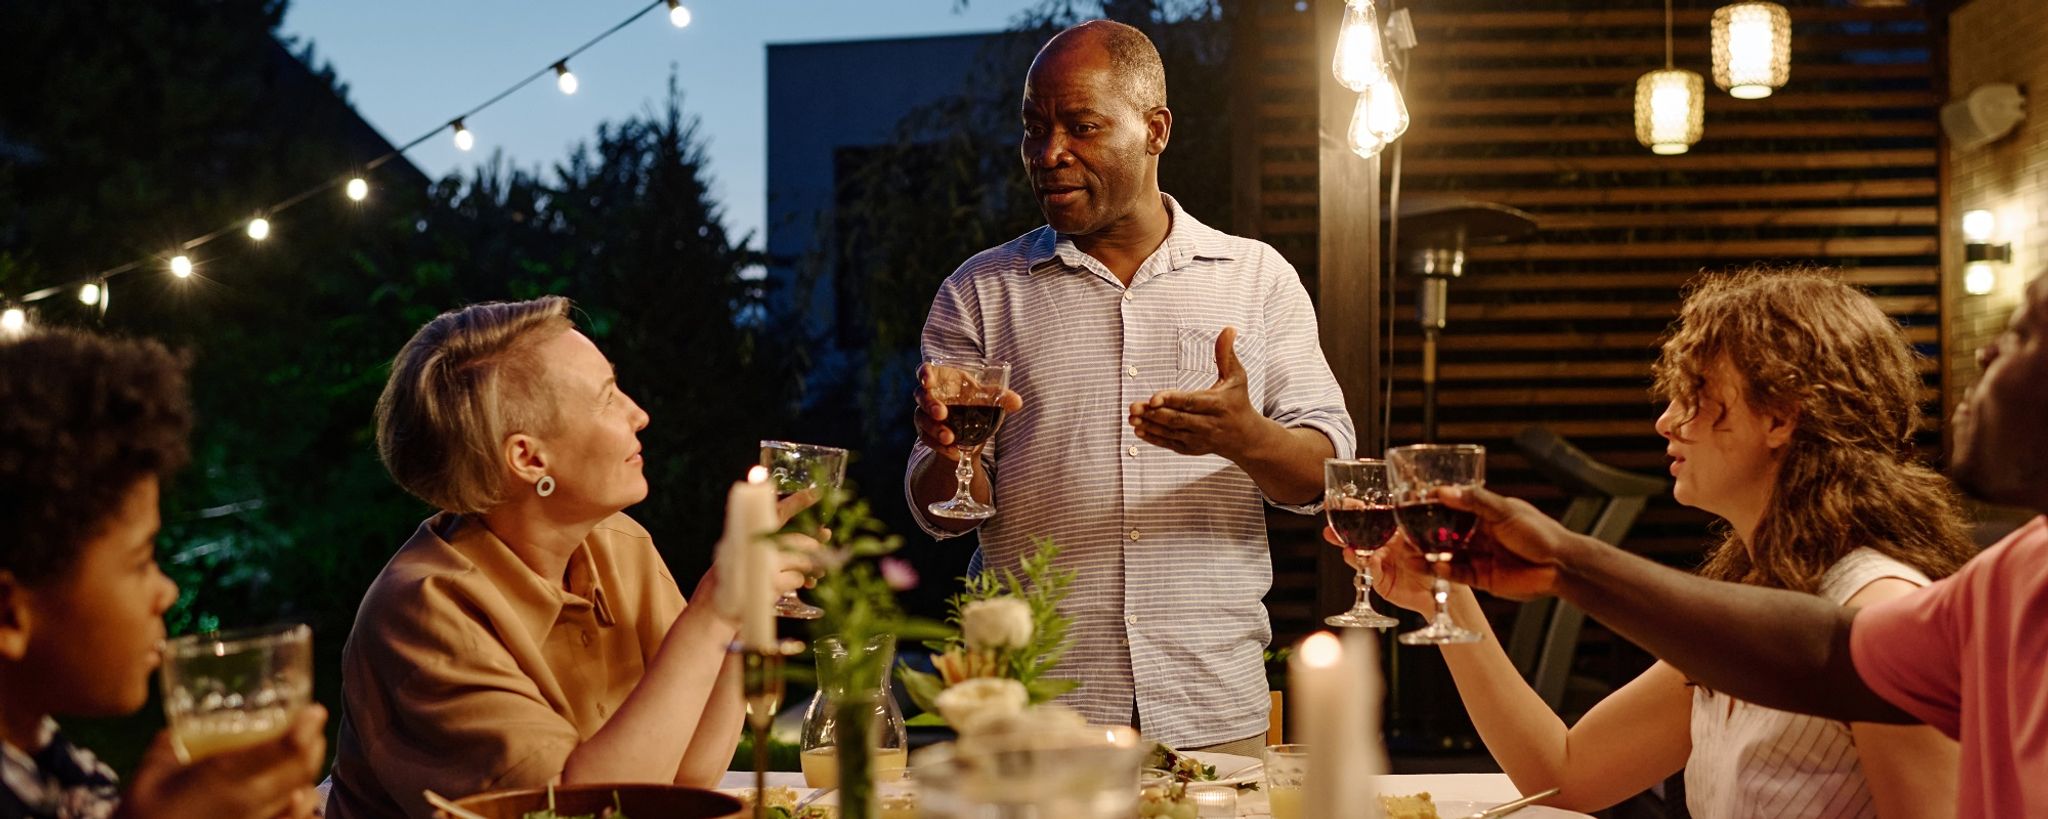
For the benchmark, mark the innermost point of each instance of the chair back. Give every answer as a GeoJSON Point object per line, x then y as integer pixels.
{"type": "Point", "coordinates": [1604, 504]}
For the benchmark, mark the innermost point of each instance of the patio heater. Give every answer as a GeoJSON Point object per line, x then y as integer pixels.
{"type": "Point", "coordinates": [1443, 229]}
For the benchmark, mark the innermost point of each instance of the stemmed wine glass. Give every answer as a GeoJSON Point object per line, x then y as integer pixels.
{"type": "Point", "coordinates": [1358, 498]}
{"type": "Point", "coordinates": [797, 468]}
{"type": "Point", "coordinates": [972, 390]}
{"type": "Point", "coordinates": [1420, 473]}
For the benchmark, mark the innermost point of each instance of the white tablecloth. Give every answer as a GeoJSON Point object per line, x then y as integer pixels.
{"type": "Point", "coordinates": [1488, 788]}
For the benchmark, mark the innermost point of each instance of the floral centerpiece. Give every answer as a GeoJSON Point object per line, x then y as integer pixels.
{"type": "Point", "coordinates": [1008, 634]}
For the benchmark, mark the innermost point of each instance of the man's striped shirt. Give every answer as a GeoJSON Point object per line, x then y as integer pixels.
{"type": "Point", "coordinates": [1170, 549]}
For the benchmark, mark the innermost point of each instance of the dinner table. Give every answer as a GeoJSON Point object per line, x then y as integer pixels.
{"type": "Point", "coordinates": [1456, 795]}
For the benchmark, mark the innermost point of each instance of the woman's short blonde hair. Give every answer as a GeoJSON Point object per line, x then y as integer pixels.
{"type": "Point", "coordinates": [464, 383]}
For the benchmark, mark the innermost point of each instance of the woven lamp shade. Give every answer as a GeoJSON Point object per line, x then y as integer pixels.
{"type": "Point", "coordinates": [1671, 109]}
{"type": "Point", "coordinates": [1752, 49]}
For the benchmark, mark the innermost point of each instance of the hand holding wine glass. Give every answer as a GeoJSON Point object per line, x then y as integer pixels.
{"type": "Point", "coordinates": [1440, 531]}
{"type": "Point", "coordinates": [930, 417]}
{"type": "Point", "coordinates": [800, 472]}
{"type": "Point", "coordinates": [971, 397]}
{"type": "Point", "coordinates": [1359, 503]}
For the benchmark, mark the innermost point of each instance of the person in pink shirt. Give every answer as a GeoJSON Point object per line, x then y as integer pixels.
{"type": "Point", "coordinates": [1967, 654]}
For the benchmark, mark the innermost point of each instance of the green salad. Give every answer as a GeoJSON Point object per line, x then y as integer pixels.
{"type": "Point", "coordinates": [1183, 767]}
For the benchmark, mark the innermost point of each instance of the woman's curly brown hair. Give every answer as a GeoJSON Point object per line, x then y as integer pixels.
{"type": "Point", "coordinates": [1807, 345]}
{"type": "Point", "coordinates": [83, 417]}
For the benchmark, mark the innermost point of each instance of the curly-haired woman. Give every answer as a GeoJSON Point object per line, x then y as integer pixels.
{"type": "Point", "coordinates": [1793, 405]}
{"type": "Point", "coordinates": [89, 428]}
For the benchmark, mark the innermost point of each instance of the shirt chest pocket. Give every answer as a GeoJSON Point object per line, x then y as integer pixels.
{"type": "Point", "coordinates": [1196, 368]}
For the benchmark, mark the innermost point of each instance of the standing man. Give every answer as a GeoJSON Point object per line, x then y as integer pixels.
{"type": "Point", "coordinates": [1166, 380]}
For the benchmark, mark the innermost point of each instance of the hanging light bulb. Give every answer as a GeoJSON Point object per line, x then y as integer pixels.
{"type": "Point", "coordinates": [1360, 60]}
{"type": "Point", "coordinates": [1752, 49]}
{"type": "Point", "coordinates": [1364, 142]}
{"type": "Point", "coordinates": [564, 79]}
{"type": "Point", "coordinates": [1380, 118]}
{"type": "Point", "coordinates": [1670, 104]}
{"type": "Point", "coordinates": [89, 294]}
{"type": "Point", "coordinates": [464, 140]}
{"type": "Point", "coordinates": [259, 228]}
{"type": "Point", "coordinates": [13, 320]}
{"type": "Point", "coordinates": [678, 14]}
{"type": "Point", "coordinates": [358, 189]}
{"type": "Point", "coordinates": [1386, 111]}
{"type": "Point", "coordinates": [181, 266]}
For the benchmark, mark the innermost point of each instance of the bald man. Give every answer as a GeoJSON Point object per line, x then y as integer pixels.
{"type": "Point", "coordinates": [1167, 383]}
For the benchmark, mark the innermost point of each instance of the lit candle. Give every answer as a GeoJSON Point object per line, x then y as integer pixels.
{"type": "Point", "coordinates": [1327, 691]}
{"type": "Point", "coordinates": [746, 560]}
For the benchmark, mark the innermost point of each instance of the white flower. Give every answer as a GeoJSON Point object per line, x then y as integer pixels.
{"type": "Point", "coordinates": [1045, 718]}
{"type": "Point", "coordinates": [996, 623]}
{"type": "Point", "coordinates": [968, 704]}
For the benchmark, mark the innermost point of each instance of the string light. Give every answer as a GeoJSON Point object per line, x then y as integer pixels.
{"type": "Point", "coordinates": [352, 184]}
{"type": "Point", "coordinates": [13, 320]}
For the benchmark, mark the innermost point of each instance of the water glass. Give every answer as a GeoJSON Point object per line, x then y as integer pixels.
{"type": "Point", "coordinates": [226, 690]}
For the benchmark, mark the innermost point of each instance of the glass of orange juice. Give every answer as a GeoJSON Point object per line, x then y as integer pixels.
{"type": "Point", "coordinates": [230, 689]}
{"type": "Point", "coordinates": [1286, 773]}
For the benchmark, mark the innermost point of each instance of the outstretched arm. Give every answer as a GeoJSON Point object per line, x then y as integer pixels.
{"type": "Point", "coordinates": [1776, 648]}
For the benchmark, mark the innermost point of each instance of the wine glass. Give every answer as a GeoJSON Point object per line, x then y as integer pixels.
{"type": "Point", "coordinates": [225, 690]}
{"type": "Point", "coordinates": [1420, 474]}
{"type": "Point", "coordinates": [972, 390]}
{"type": "Point", "coordinates": [1359, 501]}
{"type": "Point", "coordinates": [797, 468]}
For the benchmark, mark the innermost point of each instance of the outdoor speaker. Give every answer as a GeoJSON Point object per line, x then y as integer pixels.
{"type": "Point", "coordinates": [1989, 112]}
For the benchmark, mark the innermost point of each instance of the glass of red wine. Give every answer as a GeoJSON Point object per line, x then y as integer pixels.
{"type": "Point", "coordinates": [797, 468]}
{"type": "Point", "coordinates": [1420, 473]}
{"type": "Point", "coordinates": [972, 390]}
{"type": "Point", "coordinates": [1358, 498]}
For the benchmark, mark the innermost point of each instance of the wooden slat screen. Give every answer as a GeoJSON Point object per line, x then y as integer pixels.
{"type": "Point", "coordinates": [1528, 103]}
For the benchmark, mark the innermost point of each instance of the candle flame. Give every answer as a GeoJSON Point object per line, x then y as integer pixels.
{"type": "Point", "coordinates": [758, 474]}
{"type": "Point", "coordinates": [1321, 650]}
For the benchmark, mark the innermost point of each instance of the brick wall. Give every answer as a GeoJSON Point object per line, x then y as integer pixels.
{"type": "Point", "coordinates": [1995, 41]}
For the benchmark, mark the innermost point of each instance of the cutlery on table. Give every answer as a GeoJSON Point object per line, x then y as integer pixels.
{"type": "Point", "coordinates": [1506, 808]}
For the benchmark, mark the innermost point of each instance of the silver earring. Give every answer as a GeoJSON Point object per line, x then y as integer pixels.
{"type": "Point", "coordinates": [545, 486]}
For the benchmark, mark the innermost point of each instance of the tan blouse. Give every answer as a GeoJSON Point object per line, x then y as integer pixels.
{"type": "Point", "coordinates": [467, 672]}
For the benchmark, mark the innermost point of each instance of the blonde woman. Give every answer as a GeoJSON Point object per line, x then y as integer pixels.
{"type": "Point", "coordinates": [529, 632]}
{"type": "Point", "coordinates": [1793, 403]}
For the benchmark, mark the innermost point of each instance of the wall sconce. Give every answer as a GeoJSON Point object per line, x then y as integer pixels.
{"type": "Point", "coordinates": [1987, 113]}
{"type": "Point", "coordinates": [1980, 276]}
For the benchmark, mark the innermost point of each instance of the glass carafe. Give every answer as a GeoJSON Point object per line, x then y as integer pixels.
{"type": "Point", "coordinates": [853, 710]}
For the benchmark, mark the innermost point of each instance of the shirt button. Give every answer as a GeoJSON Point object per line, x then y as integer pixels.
{"type": "Point", "coordinates": [1134, 534]}
{"type": "Point", "coordinates": [603, 710]}
{"type": "Point", "coordinates": [1131, 371]}
{"type": "Point", "coordinates": [1127, 295]}
{"type": "Point", "coordinates": [586, 636]}
{"type": "Point", "coordinates": [1133, 451]}
{"type": "Point", "coordinates": [1131, 620]}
